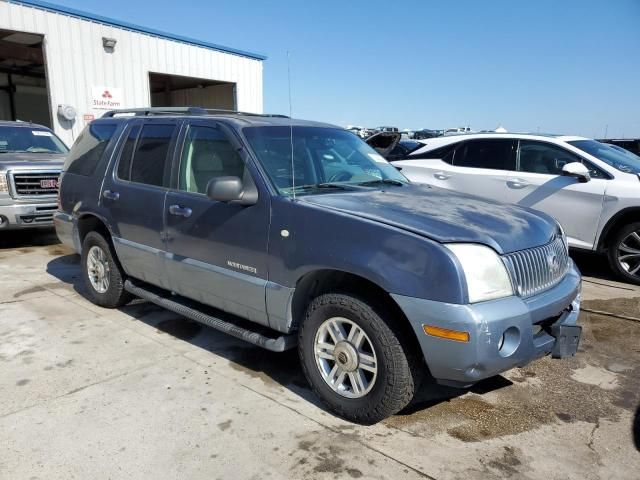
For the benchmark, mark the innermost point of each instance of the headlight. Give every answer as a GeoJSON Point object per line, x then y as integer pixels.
{"type": "Point", "coordinates": [4, 187]}
{"type": "Point", "coordinates": [486, 275]}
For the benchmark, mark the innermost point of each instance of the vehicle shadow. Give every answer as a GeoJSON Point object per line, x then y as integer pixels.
{"type": "Point", "coordinates": [636, 429]}
{"type": "Point", "coordinates": [593, 265]}
{"type": "Point", "coordinates": [36, 237]}
{"type": "Point", "coordinates": [272, 368]}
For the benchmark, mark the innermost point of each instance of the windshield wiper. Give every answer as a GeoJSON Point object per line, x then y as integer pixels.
{"type": "Point", "coordinates": [318, 186]}
{"type": "Point", "coordinates": [384, 181]}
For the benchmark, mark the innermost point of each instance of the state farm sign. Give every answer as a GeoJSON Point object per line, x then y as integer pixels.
{"type": "Point", "coordinates": [106, 98]}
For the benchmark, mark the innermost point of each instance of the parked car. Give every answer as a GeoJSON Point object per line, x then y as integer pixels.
{"type": "Point", "coordinates": [387, 129]}
{"type": "Point", "coordinates": [630, 144]}
{"type": "Point", "coordinates": [31, 158]}
{"type": "Point", "coordinates": [426, 133]}
{"type": "Point", "coordinates": [308, 233]}
{"type": "Point", "coordinates": [401, 149]}
{"type": "Point", "coordinates": [589, 187]}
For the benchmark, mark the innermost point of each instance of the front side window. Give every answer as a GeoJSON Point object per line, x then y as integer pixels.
{"type": "Point", "coordinates": [548, 159]}
{"type": "Point", "coordinates": [88, 148]}
{"type": "Point", "coordinates": [322, 157]}
{"type": "Point", "coordinates": [624, 161]}
{"type": "Point", "coordinates": [30, 140]}
{"type": "Point", "coordinates": [494, 154]}
{"type": "Point", "coordinates": [207, 154]}
{"type": "Point", "coordinates": [148, 164]}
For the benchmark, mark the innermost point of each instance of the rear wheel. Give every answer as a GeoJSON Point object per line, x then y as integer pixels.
{"type": "Point", "coordinates": [624, 252]}
{"type": "Point", "coordinates": [361, 367]}
{"type": "Point", "coordinates": [103, 276]}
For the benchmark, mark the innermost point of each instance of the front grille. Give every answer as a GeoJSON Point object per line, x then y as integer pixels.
{"type": "Point", "coordinates": [537, 269]}
{"type": "Point", "coordinates": [35, 183]}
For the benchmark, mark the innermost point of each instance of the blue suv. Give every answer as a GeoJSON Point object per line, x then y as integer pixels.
{"type": "Point", "coordinates": [308, 233]}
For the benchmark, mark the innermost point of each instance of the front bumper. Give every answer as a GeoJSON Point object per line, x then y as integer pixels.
{"type": "Point", "coordinates": [504, 333]}
{"type": "Point", "coordinates": [18, 215]}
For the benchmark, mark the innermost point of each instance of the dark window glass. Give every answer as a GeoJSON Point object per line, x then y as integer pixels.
{"type": "Point", "coordinates": [150, 158]}
{"type": "Point", "coordinates": [443, 153]}
{"type": "Point", "coordinates": [622, 160]}
{"type": "Point", "coordinates": [88, 148]}
{"type": "Point", "coordinates": [30, 139]}
{"type": "Point", "coordinates": [207, 154]}
{"type": "Point", "coordinates": [124, 164]}
{"type": "Point", "coordinates": [493, 154]}
{"type": "Point", "coordinates": [541, 157]}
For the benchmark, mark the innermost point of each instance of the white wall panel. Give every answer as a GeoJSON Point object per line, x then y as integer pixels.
{"type": "Point", "coordinates": [76, 61]}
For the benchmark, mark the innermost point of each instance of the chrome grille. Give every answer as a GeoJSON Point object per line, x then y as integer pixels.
{"type": "Point", "coordinates": [34, 183]}
{"type": "Point", "coordinates": [537, 269]}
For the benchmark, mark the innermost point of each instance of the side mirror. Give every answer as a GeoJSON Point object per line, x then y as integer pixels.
{"type": "Point", "coordinates": [232, 189]}
{"type": "Point", "coordinates": [576, 170]}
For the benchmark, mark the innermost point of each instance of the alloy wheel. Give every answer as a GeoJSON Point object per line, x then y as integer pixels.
{"type": "Point", "coordinates": [98, 269]}
{"type": "Point", "coordinates": [345, 357]}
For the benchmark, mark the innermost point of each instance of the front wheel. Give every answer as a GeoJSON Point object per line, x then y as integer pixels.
{"type": "Point", "coordinates": [624, 253]}
{"type": "Point", "coordinates": [361, 367]}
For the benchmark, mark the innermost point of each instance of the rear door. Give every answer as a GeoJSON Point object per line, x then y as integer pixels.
{"type": "Point", "coordinates": [133, 196]}
{"type": "Point", "coordinates": [217, 251]}
{"type": "Point", "coordinates": [478, 167]}
{"type": "Point", "coordinates": [538, 183]}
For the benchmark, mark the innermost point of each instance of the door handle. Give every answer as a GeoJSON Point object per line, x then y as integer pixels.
{"type": "Point", "coordinates": [517, 183]}
{"type": "Point", "coordinates": [180, 211]}
{"type": "Point", "coordinates": [442, 176]}
{"type": "Point", "coordinates": [110, 195]}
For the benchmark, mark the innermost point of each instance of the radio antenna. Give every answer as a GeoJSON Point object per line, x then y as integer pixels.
{"type": "Point", "coordinates": [293, 168]}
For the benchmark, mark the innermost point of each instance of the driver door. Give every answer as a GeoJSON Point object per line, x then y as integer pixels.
{"type": "Point", "coordinates": [538, 183]}
{"type": "Point", "coordinates": [217, 250]}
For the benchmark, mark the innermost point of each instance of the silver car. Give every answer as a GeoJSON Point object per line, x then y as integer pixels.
{"type": "Point", "coordinates": [592, 189]}
{"type": "Point", "coordinates": [31, 159]}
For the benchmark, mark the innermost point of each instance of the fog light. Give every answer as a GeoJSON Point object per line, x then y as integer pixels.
{"type": "Point", "coordinates": [455, 335]}
{"type": "Point", "coordinates": [509, 341]}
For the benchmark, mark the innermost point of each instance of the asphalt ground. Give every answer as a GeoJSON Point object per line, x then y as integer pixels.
{"type": "Point", "coordinates": [141, 393]}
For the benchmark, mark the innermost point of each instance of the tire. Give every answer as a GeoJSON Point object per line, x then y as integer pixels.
{"type": "Point", "coordinates": [625, 242]}
{"type": "Point", "coordinates": [113, 294]}
{"type": "Point", "coordinates": [397, 364]}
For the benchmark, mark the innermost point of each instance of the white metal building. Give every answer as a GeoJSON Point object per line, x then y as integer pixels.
{"type": "Point", "coordinates": [53, 56]}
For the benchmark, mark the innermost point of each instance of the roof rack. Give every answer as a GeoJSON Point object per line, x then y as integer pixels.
{"type": "Point", "coordinates": [149, 111]}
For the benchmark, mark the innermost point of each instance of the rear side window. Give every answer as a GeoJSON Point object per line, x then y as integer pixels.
{"type": "Point", "coordinates": [443, 153]}
{"type": "Point", "coordinates": [148, 164]}
{"type": "Point", "coordinates": [496, 154]}
{"type": "Point", "coordinates": [124, 164]}
{"type": "Point", "coordinates": [89, 148]}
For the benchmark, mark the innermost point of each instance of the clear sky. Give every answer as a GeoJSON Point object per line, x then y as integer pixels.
{"type": "Point", "coordinates": [568, 66]}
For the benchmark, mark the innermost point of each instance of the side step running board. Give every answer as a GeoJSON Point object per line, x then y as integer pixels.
{"type": "Point", "coordinates": [186, 308]}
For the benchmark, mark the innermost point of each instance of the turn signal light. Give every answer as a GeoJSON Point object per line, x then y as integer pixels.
{"type": "Point", "coordinates": [455, 335]}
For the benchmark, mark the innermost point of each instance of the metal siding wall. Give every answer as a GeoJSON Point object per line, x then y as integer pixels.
{"type": "Point", "coordinates": [76, 61]}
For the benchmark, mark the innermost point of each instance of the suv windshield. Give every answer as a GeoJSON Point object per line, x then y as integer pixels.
{"type": "Point", "coordinates": [324, 159]}
{"type": "Point", "coordinates": [32, 140]}
{"type": "Point", "coordinates": [625, 162]}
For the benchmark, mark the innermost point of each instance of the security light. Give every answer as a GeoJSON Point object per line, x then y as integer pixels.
{"type": "Point", "coordinates": [109, 42]}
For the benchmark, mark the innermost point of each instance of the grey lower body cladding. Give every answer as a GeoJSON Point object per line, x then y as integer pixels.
{"type": "Point", "coordinates": [218, 320]}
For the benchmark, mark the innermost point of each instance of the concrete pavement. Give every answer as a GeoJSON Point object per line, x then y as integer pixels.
{"type": "Point", "coordinates": [141, 393]}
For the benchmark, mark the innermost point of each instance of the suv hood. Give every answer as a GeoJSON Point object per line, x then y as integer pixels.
{"type": "Point", "coordinates": [445, 216]}
{"type": "Point", "coordinates": [28, 160]}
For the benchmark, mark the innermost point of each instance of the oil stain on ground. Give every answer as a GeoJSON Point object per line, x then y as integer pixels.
{"type": "Point", "coordinates": [541, 393]}
{"type": "Point", "coordinates": [326, 453]}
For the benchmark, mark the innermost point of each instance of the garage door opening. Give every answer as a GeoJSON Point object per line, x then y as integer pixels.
{"type": "Point", "coordinates": [177, 91]}
{"type": "Point", "coordinates": [23, 83]}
